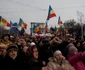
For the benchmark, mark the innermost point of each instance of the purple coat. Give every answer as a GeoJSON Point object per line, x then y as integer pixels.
{"type": "Point", "coordinates": [76, 61]}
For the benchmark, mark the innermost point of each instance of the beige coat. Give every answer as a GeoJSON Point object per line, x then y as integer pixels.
{"type": "Point", "coordinates": [54, 65]}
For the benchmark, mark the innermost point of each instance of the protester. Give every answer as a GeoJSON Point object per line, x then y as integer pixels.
{"type": "Point", "coordinates": [33, 62]}
{"type": "Point", "coordinates": [5, 40]}
{"type": "Point", "coordinates": [44, 50]}
{"type": "Point", "coordinates": [2, 53]}
{"type": "Point", "coordinates": [58, 62]}
{"type": "Point", "coordinates": [3, 49]}
{"type": "Point", "coordinates": [11, 61]}
{"type": "Point", "coordinates": [75, 58]}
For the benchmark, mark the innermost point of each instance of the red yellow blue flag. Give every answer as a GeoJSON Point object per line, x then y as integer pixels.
{"type": "Point", "coordinates": [59, 21]}
{"type": "Point", "coordinates": [4, 22]}
{"type": "Point", "coordinates": [22, 24]}
{"type": "Point", "coordinates": [51, 13]}
{"type": "Point", "coordinates": [37, 28]}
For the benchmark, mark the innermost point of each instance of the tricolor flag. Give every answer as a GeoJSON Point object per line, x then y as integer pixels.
{"type": "Point", "coordinates": [50, 13]}
{"type": "Point", "coordinates": [15, 25]}
{"type": "Point", "coordinates": [4, 22]}
{"type": "Point", "coordinates": [37, 28]}
{"type": "Point", "coordinates": [80, 14]}
{"type": "Point", "coordinates": [22, 24]}
{"type": "Point", "coordinates": [46, 28]}
{"type": "Point", "coordinates": [80, 17]}
{"type": "Point", "coordinates": [59, 21]}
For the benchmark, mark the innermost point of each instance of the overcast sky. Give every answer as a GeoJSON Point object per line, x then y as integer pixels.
{"type": "Point", "coordinates": [37, 10]}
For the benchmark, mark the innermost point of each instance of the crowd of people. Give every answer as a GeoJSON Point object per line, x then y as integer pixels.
{"type": "Point", "coordinates": [41, 53]}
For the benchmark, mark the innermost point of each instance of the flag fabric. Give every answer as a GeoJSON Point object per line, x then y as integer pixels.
{"type": "Point", "coordinates": [22, 32]}
{"type": "Point", "coordinates": [55, 28]}
{"type": "Point", "coordinates": [26, 34]}
{"type": "Point", "coordinates": [8, 25]}
{"type": "Point", "coordinates": [80, 14]}
{"type": "Point", "coordinates": [37, 28]}
{"type": "Point", "coordinates": [4, 22]}
{"type": "Point", "coordinates": [22, 24]}
{"type": "Point", "coordinates": [11, 23]}
{"type": "Point", "coordinates": [15, 25]}
{"type": "Point", "coordinates": [14, 29]}
{"type": "Point", "coordinates": [59, 21]}
{"type": "Point", "coordinates": [46, 28]}
{"type": "Point", "coordinates": [25, 25]}
{"type": "Point", "coordinates": [51, 13]}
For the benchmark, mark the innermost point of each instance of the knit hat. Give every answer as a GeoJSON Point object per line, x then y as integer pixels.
{"type": "Point", "coordinates": [71, 48]}
{"type": "Point", "coordinates": [69, 45]}
{"type": "Point", "coordinates": [56, 53]}
{"type": "Point", "coordinates": [12, 47]}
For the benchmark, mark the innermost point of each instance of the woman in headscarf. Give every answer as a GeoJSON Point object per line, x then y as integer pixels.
{"type": "Point", "coordinates": [58, 62]}
{"type": "Point", "coordinates": [34, 63]}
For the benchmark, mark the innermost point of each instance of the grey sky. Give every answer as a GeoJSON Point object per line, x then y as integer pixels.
{"type": "Point", "coordinates": [37, 10]}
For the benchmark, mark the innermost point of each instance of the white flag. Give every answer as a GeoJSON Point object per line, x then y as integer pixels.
{"type": "Point", "coordinates": [80, 14]}
{"type": "Point", "coordinates": [80, 17]}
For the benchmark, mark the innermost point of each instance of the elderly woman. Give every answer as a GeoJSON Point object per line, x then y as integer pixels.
{"type": "Point", "coordinates": [58, 62]}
